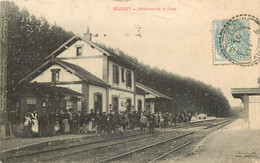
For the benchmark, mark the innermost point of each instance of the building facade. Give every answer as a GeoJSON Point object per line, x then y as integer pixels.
{"type": "Point", "coordinates": [101, 75]}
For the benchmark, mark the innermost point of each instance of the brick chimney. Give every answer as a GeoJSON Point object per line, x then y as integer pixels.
{"type": "Point", "coordinates": [88, 35]}
{"type": "Point", "coordinates": [117, 51]}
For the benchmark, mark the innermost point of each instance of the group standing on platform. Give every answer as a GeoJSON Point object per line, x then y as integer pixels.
{"type": "Point", "coordinates": [68, 121]}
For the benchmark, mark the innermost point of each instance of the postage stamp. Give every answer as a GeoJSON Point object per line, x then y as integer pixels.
{"type": "Point", "coordinates": [237, 40]}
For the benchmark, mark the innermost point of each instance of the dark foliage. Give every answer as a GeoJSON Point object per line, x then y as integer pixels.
{"type": "Point", "coordinates": [187, 94]}
{"type": "Point", "coordinates": [31, 39]}
{"type": "Point", "coordinates": [236, 112]}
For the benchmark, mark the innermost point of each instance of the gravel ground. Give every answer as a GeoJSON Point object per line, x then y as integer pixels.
{"type": "Point", "coordinates": [156, 151]}
{"type": "Point", "coordinates": [106, 152]}
{"type": "Point", "coordinates": [85, 140]}
{"type": "Point", "coordinates": [143, 156]}
{"type": "Point", "coordinates": [231, 144]}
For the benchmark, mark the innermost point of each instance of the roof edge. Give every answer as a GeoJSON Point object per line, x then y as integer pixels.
{"type": "Point", "coordinates": [154, 93]}
{"type": "Point", "coordinates": [104, 51]}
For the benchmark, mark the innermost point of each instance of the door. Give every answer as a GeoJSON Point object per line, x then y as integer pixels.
{"type": "Point", "coordinates": [139, 106]}
{"type": "Point", "coordinates": [148, 107]}
{"type": "Point", "coordinates": [98, 102]}
{"type": "Point", "coordinates": [129, 104]}
{"type": "Point", "coordinates": [115, 104]}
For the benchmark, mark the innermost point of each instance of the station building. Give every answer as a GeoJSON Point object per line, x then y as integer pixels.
{"type": "Point", "coordinates": [102, 78]}
{"type": "Point", "coordinates": [84, 75]}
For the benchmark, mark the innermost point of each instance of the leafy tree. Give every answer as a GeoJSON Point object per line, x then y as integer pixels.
{"type": "Point", "coordinates": [30, 40]}
{"type": "Point", "coordinates": [187, 93]}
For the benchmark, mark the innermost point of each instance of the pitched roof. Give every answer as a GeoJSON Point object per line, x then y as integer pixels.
{"type": "Point", "coordinates": [72, 68]}
{"type": "Point", "coordinates": [101, 48]}
{"type": "Point", "coordinates": [141, 91]}
{"type": "Point", "coordinates": [37, 71]}
{"type": "Point", "coordinates": [152, 91]}
{"type": "Point", "coordinates": [60, 90]}
{"type": "Point", "coordinates": [44, 89]}
{"type": "Point", "coordinates": [70, 42]}
{"type": "Point", "coordinates": [116, 57]}
{"type": "Point", "coordinates": [83, 74]}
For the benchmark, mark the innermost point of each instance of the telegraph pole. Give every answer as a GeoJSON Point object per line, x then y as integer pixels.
{"type": "Point", "coordinates": [3, 70]}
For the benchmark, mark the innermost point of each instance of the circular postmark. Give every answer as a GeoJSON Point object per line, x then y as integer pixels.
{"type": "Point", "coordinates": [240, 40]}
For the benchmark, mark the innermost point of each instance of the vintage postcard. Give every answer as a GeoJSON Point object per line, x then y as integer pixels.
{"type": "Point", "coordinates": [130, 81]}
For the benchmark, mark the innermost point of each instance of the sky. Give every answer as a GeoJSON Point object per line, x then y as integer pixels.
{"type": "Point", "coordinates": [178, 39]}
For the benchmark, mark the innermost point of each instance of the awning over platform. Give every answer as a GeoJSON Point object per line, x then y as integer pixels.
{"type": "Point", "coordinates": [44, 89]}
{"type": "Point", "coordinates": [239, 92]}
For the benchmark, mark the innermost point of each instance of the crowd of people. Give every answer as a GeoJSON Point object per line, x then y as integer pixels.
{"type": "Point", "coordinates": [48, 124]}
{"type": "Point", "coordinates": [69, 121]}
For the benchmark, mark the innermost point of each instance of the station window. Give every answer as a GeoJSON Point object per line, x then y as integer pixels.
{"type": "Point", "coordinates": [128, 78]}
{"type": "Point", "coordinates": [115, 74]}
{"type": "Point", "coordinates": [55, 77]}
{"type": "Point", "coordinates": [123, 75]}
{"type": "Point", "coordinates": [79, 51]}
{"type": "Point", "coordinates": [69, 105]}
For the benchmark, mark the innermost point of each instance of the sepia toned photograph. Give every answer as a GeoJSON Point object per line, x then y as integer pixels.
{"type": "Point", "coordinates": [130, 81]}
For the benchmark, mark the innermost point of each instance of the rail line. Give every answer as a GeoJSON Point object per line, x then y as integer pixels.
{"type": "Point", "coordinates": [184, 145]}
{"type": "Point", "coordinates": [136, 137]}
{"type": "Point", "coordinates": [161, 142]}
{"type": "Point", "coordinates": [77, 145]}
{"type": "Point", "coordinates": [143, 148]}
{"type": "Point", "coordinates": [112, 144]}
{"type": "Point", "coordinates": [194, 124]}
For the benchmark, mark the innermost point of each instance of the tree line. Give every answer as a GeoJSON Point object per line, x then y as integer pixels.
{"type": "Point", "coordinates": [187, 93]}
{"type": "Point", "coordinates": [31, 39]}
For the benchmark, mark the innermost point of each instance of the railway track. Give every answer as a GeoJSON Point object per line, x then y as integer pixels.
{"type": "Point", "coordinates": [195, 124]}
{"type": "Point", "coordinates": [86, 147]}
{"type": "Point", "coordinates": [185, 144]}
{"type": "Point", "coordinates": [64, 147]}
{"type": "Point", "coordinates": [22, 155]}
{"type": "Point", "coordinates": [119, 157]}
{"type": "Point", "coordinates": [113, 143]}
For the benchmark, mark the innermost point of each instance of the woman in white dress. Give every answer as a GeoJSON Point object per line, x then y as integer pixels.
{"type": "Point", "coordinates": [35, 125]}
{"type": "Point", "coordinates": [27, 126]}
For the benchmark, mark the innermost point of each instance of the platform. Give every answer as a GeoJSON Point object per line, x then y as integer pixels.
{"type": "Point", "coordinates": [18, 144]}
{"type": "Point", "coordinates": [233, 143]}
